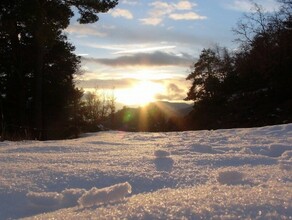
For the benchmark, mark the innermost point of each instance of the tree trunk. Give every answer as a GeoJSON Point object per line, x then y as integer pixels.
{"type": "Point", "coordinates": [39, 50]}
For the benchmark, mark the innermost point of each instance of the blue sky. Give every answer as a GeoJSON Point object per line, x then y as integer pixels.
{"type": "Point", "coordinates": [144, 49]}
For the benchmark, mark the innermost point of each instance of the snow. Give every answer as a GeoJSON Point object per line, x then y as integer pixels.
{"type": "Point", "coordinates": [66, 198]}
{"type": "Point", "coordinates": [161, 154]}
{"type": "Point", "coordinates": [106, 195]}
{"type": "Point", "coordinates": [45, 198]}
{"type": "Point", "coordinates": [216, 174]}
{"type": "Point", "coordinates": [230, 177]}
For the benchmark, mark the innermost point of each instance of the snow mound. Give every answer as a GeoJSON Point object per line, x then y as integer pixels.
{"type": "Point", "coordinates": [230, 177]}
{"type": "Point", "coordinates": [66, 198]}
{"type": "Point", "coordinates": [105, 195]}
{"type": "Point", "coordinates": [161, 154]}
{"type": "Point", "coordinates": [73, 197]}
{"type": "Point", "coordinates": [164, 164]}
{"type": "Point", "coordinates": [46, 199]}
{"type": "Point", "coordinates": [163, 161]}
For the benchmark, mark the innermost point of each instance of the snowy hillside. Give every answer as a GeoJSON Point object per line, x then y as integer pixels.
{"type": "Point", "coordinates": [224, 174]}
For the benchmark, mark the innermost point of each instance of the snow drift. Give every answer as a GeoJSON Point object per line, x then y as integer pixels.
{"type": "Point", "coordinates": [45, 198]}
{"type": "Point", "coordinates": [106, 195]}
{"type": "Point", "coordinates": [72, 197]}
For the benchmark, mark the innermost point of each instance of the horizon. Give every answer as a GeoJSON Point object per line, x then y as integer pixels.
{"type": "Point", "coordinates": [144, 49]}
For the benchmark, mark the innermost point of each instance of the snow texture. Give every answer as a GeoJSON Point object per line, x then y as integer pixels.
{"type": "Point", "coordinates": [71, 196]}
{"type": "Point", "coordinates": [66, 198]}
{"type": "Point", "coordinates": [200, 148]}
{"type": "Point", "coordinates": [106, 195]}
{"type": "Point", "coordinates": [45, 198]}
{"type": "Point", "coordinates": [216, 174]}
{"type": "Point", "coordinates": [230, 177]}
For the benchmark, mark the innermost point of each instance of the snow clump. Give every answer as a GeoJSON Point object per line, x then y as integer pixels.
{"type": "Point", "coordinates": [230, 177]}
{"type": "Point", "coordinates": [105, 195]}
{"type": "Point", "coordinates": [71, 196]}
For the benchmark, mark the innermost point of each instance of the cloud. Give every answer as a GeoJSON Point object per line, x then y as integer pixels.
{"type": "Point", "coordinates": [144, 49]}
{"type": "Point", "coordinates": [176, 90]}
{"type": "Point", "coordinates": [82, 30]}
{"type": "Point", "coordinates": [156, 14]}
{"type": "Point", "coordinates": [184, 5]}
{"type": "Point", "coordinates": [131, 48]}
{"type": "Point", "coordinates": [161, 10]}
{"type": "Point", "coordinates": [151, 37]}
{"type": "Point", "coordinates": [151, 21]}
{"type": "Point", "coordinates": [82, 54]}
{"type": "Point", "coordinates": [248, 5]}
{"type": "Point", "coordinates": [144, 59]}
{"type": "Point", "coordinates": [175, 85]}
{"type": "Point", "coordinates": [187, 16]}
{"type": "Point", "coordinates": [106, 47]}
{"type": "Point", "coordinates": [85, 30]}
{"type": "Point", "coordinates": [107, 83]}
{"type": "Point", "coordinates": [129, 2]}
{"type": "Point", "coordinates": [166, 8]}
{"type": "Point", "coordinates": [121, 13]}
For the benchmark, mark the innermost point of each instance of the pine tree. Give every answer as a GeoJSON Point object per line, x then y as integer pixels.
{"type": "Point", "coordinates": [37, 62]}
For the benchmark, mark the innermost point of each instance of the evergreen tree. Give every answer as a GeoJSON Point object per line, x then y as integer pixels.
{"type": "Point", "coordinates": [37, 63]}
{"type": "Point", "coordinates": [208, 73]}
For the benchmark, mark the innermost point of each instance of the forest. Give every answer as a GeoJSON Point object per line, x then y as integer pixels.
{"type": "Point", "coordinates": [247, 87]}
{"type": "Point", "coordinates": [251, 86]}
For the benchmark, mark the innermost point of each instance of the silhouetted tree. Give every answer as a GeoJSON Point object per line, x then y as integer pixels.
{"type": "Point", "coordinates": [252, 86]}
{"type": "Point", "coordinates": [37, 62]}
{"type": "Point", "coordinates": [208, 74]}
{"type": "Point", "coordinates": [98, 108]}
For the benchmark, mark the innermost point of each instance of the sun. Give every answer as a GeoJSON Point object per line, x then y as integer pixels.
{"type": "Point", "coordinates": [141, 94]}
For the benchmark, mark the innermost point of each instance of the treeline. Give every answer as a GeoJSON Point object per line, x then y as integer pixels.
{"type": "Point", "coordinates": [251, 86]}
{"type": "Point", "coordinates": [96, 111]}
{"type": "Point", "coordinates": [38, 98]}
{"type": "Point", "coordinates": [154, 117]}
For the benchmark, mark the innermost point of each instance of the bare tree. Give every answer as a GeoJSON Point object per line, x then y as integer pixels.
{"type": "Point", "coordinates": [99, 105]}
{"type": "Point", "coordinates": [250, 25]}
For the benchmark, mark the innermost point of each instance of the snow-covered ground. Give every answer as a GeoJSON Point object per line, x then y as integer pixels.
{"type": "Point", "coordinates": [223, 174]}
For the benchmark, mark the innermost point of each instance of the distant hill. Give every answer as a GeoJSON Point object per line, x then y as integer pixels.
{"type": "Point", "coordinates": [156, 116]}
{"type": "Point", "coordinates": [172, 108]}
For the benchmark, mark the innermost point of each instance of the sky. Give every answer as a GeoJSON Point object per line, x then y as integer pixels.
{"type": "Point", "coordinates": [144, 49]}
